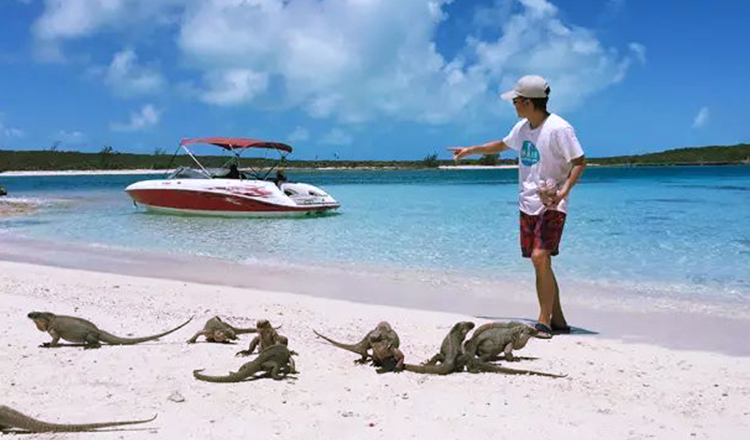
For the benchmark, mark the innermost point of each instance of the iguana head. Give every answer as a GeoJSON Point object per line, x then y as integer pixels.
{"type": "Point", "coordinates": [265, 329]}
{"type": "Point", "coordinates": [41, 319]}
{"type": "Point", "coordinates": [383, 327]}
{"type": "Point", "coordinates": [463, 328]}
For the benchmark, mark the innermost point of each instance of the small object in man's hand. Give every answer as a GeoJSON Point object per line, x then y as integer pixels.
{"type": "Point", "coordinates": [547, 191]}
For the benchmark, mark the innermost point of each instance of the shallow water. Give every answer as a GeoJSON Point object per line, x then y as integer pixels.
{"type": "Point", "coordinates": [670, 233]}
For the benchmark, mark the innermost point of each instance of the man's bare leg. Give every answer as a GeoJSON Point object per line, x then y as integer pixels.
{"type": "Point", "coordinates": [558, 319]}
{"type": "Point", "coordinates": [546, 285]}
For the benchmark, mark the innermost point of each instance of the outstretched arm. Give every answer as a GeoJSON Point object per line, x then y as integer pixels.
{"type": "Point", "coordinates": [488, 148]}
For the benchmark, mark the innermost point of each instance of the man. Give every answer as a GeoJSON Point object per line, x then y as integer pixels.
{"type": "Point", "coordinates": [549, 153]}
{"type": "Point", "coordinates": [234, 172]}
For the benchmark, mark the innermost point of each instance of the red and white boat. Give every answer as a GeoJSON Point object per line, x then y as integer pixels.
{"type": "Point", "coordinates": [227, 191]}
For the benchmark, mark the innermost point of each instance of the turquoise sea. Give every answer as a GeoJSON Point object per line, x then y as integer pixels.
{"type": "Point", "coordinates": [665, 233]}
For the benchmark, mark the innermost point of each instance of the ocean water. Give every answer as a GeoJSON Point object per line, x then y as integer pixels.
{"type": "Point", "coordinates": [658, 232]}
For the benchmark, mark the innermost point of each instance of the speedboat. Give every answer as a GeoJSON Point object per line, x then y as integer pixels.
{"type": "Point", "coordinates": [231, 190]}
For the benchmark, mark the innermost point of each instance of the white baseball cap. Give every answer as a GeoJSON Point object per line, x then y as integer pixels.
{"type": "Point", "coordinates": [529, 86]}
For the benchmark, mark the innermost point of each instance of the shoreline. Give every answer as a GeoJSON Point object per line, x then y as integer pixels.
{"type": "Point", "coordinates": [362, 168]}
{"type": "Point", "coordinates": [612, 389]}
{"type": "Point", "coordinates": [303, 169]}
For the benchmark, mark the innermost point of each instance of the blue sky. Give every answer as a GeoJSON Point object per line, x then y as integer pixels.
{"type": "Point", "coordinates": [369, 79]}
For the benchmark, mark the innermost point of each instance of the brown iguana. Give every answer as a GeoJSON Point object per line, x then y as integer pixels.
{"type": "Point", "coordinates": [450, 353]}
{"type": "Point", "coordinates": [267, 336]}
{"type": "Point", "coordinates": [275, 360]}
{"type": "Point", "coordinates": [489, 340]}
{"type": "Point", "coordinates": [82, 331]}
{"type": "Point", "coordinates": [13, 421]}
{"type": "Point", "coordinates": [387, 346]}
{"type": "Point", "coordinates": [453, 360]}
{"type": "Point", "coordinates": [217, 330]}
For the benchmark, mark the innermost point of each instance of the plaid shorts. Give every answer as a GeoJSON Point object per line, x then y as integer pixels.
{"type": "Point", "coordinates": [541, 232]}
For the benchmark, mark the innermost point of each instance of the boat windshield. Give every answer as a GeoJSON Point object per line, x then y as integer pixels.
{"type": "Point", "coordinates": [213, 173]}
{"type": "Point", "coordinates": [187, 173]}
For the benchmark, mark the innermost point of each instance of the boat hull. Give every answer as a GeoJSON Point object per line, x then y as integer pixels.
{"type": "Point", "coordinates": [228, 198]}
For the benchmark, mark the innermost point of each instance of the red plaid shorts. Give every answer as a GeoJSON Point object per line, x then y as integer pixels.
{"type": "Point", "coordinates": [541, 232]}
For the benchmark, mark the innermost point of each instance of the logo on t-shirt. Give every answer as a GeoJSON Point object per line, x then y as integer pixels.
{"type": "Point", "coordinates": [529, 154]}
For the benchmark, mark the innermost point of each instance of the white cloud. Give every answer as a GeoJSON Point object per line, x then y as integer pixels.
{"type": "Point", "coordinates": [536, 40]}
{"type": "Point", "coordinates": [147, 117]}
{"type": "Point", "coordinates": [300, 134]}
{"type": "Point", "coordinates": [336, 137]}
{"type": "Point", "coordinates": [701, 119]}
{"type": "Point", "coordinates": [127, 78]}
{"type": "Point", "coordinates": [233, 86]}
{"type": "Point", "coordinates": [358, 60]}
{"type": "Point", "coordinates": [71, 19]}
{"type": "Point", "coordinates": [351, 60]}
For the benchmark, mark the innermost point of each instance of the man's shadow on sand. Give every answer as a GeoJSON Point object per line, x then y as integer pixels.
{"type": "Point", "coordinates": [531, 322]}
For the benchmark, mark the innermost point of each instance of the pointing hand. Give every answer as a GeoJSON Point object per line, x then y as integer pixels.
{"type": "Point", "coordinates": [459, 152]}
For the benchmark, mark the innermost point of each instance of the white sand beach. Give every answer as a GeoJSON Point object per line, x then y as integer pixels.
{"type": "Point", "coordinates": [477, 167]}
{"type": "Point", "coordinates": [613, 389]}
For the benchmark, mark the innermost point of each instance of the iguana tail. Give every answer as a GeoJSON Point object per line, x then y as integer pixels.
{"type": "Point", "coordinates": [14, 419]}
{"type": "Point", "coordinates": [242, 331]}
{"type": "Point", "coordinates": [359, 348]}
{"type": "Point", "coordinates": [442, 369]}
{"type": "Point", "coordinates": [111, 339]}
{"type": "Point", "coordinates": [478, 366]}
{"type": "Point", "coordinates": [231, 377]}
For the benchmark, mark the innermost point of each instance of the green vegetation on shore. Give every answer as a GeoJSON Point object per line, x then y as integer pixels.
{"type": "Point", "coordinates": [109, 159]}
{"type": "Point", "coordinates": [713, 155]}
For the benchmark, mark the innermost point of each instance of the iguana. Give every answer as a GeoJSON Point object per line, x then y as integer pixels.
{"type": "Point", "coordinates": [82, 331]}
{"type": "Point", "coordinates": [452, 359]}
{"type": "Point", "coordinates": [450, 353]}
{"type": "Point", "coordinates": [217, 330]}
{"type": "Point", "coordinates": [384, 343]}
{"type": "Point", "coordinates": [267, 336]}
{"type": "Point", "coordinates": [13, 421]}
{"type": "Point", "coordinates": [276, 360]}
{"type": "Point", "coordinates": [489, 340]}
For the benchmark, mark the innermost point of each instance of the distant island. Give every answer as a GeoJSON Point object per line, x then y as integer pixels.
{"type": "Point", "coordinates": [110, 159]}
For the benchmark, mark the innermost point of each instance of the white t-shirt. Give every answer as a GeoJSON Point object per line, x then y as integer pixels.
{"type": "Point", "coordinates": [543, 153]}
